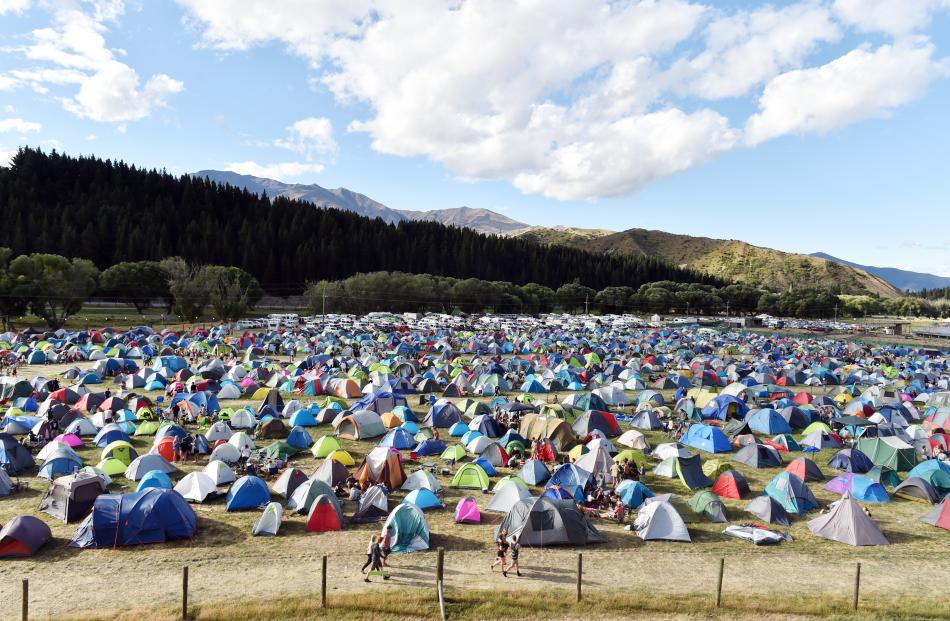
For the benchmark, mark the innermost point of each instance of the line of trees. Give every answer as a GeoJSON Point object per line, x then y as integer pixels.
{"type": "Point", "coordinates": [55, 288]}
{"type": "Point", "coordinates": [110, 213]}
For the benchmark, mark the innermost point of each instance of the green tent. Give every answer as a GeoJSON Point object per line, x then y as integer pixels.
{"type": "Point", "coordinates": [147, 428]}
{"type": "Point", "coordinates": [631, 455]}
{"type": "Point", "coordinates": [709, 505]}
{"type": "Point", "coordinates": [512, 478]}
{"type": "Point", "coordinates": [882, 453]}
{"type": "Point", "coordinates": [410, 529]}
{"type": "Point", "coordinates": [324, 446]}
{"type": "Point", "coordinates": [279, 449]}
{"type": "Point", "coordinates": [470, 476]}
{"type": "Point", "coordinates": [454, 452]}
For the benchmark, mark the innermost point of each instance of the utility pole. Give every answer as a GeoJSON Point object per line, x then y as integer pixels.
{"type": "Point", "coordinates": [586, 296]}
{"type": "Point", "coordinates": [727, 308]}
{"type": "Point", "coordinates": [836, 313]}
{"type": "Point", "coordinates": [324, 300]}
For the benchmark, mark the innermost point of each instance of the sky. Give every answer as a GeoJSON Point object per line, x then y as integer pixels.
{"type": "Point", "coordinates": [812, 125]}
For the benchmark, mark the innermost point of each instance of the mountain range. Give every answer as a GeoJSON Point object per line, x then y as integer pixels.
{"type": "Point", "coordinates": [730, 259]}
{"type": "Point", "coordinates": [483, 220]}
{"type": "Point", "coordinates": [904, 280]}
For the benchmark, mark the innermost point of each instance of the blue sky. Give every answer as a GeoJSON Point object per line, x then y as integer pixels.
{"type": "Point", "coordinates": [805, 126]}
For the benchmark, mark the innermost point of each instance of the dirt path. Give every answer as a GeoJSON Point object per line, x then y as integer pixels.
{"type": "Point", "coordinates": [96, 580]}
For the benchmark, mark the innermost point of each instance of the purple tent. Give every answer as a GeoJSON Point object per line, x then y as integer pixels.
{"type": "Point", "coordinates": [24, 535]}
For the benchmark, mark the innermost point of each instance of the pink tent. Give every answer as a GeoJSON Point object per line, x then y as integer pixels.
{"type": "Point", "coordinates": [467, 511]}
{"type": "Point", "coordinates": [69, 439]}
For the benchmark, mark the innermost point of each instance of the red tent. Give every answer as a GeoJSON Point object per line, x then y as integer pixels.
{"type": "Point", "coordinates": [731, 484]}
{"type": "Point", "coordinates": [324, 516]}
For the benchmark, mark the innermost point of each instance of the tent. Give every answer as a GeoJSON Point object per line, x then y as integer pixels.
{"type": "Point", "coordinates": [534, 472]}
{"type": "Point", "coordinates": [709, 504]}
{"type": "Point", "coordinates": [884, 475]}
{"type": "Point", "coordinates": [591, 420]}
{"type": "Point", "coordinates": [325, 515]}
{"type": "Point", "coordinates": [767, 508]}
{"type": "Point", "coordinates": [410, 531]}
{"type": "Point", "coordinates": [569, 475]}
{"type": "Point", "coordinates": [443, 415]}
{"type": "Point", "coordinates": [917, 487]}
{"type": "Point", "coordinates": [150, 516]}
{"type": "Point", "coordinates": [753, 534]}
{"type": "Point", "coordinates": [792, 493]}
{"type": "Point", "coordinates": [759, 456]}
{"type": "Point", "coordinates": [940, 516]}
{"type": "Point", "coordinates": [70, 498]}
{"type": "Point", "coordinates": [545, 521]}
{"type": "Point", "coordinates": [731, 484]}
{"type": "Point", "coordinates": [360, 425]}
{"type": "Point", "coordinates": [141, 466]}
{"type": "Point", "coordinates": [23, 535]}
{"type": "Point", "coordinates": [657, 520]}
{"type": "Point", "coordinates": [466, 512]}
{"type": "Point", "coordinates": [219, 472]}
{"type": "Point", "coordinates": [373, 506]}
{"type": "Point", "coordinates": [861, 488]}
{"type": "Point", "coordinates": [805, 469]}
{"type": "Point", "coordinates": [768, 422]}
{"type": "Point", "coordinates": [382, 465]}
{"type": "Point", "coordinates": [470, 476]}
{"type": "Point", "coordinates": [288, 481]}
{"type": "Point", "coordinates": [331, 472]}
{"type": "Point", "coordinates": [60, 462]}
{"type": "Point", "coordinates": [633, 493]}
{"type": "Point", "coordinates": [248, 492]}
{"type": "Point", "coordinates": [689, 470]}
{"type": "Point", "coordinates": [634, 439]}
{"type": "Point", "coordinates": [890, 452]}
{"type": "Point", "coordinates": [507, 497]}
{"type": "Point", "coordinates": [850, 460]}
{"type": "Point", "coordinates": [848, 523]}
{"type": "Point", "coordinates": [7, 486]}
{"type": "Point", "coordinates": [154, 478]}
{"type": "Point", "coordinates": [14, 457]}
{"type": "Point", "coordinates": [422, 479]}
{"type": "Point", "coordinates": [196, 487]}
{"type": "Point", "coordinates": [324, 446]}
{"type": "Point", "coordinates": [270, 520]}
{"type": "Point", "coordinates": [424, 499]}
{"type": "Point", "coordinates": [306, 493]}
{"type": "Point", "coordinates": [707, 438]}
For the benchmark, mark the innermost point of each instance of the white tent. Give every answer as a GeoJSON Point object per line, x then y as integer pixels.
{"type": "Point", "coordinates": [240, 440]}
{"type": "Point", "coordinates": [196, 487]}
{"type": "Point", "coordinates": [665, 451]}
{"type": "Point", "coordinates": [219, 472]}
{"type": "Point", "coordinates": [507, 497]}
{"type": "Point", "coordinates": [242, 419]}
{"type": "Point", "coordinates": [422, 479]}
{"type": "Point", "coordinates": [270, 520]}
{"type": "Point", "coordinates": [218, 431]}
{"type": "Point", "coordinates": [658, 520]}
{"type": "Point", "coordinates": [226, 453]}
{"type": "Point", "coordinates": [634, 439]}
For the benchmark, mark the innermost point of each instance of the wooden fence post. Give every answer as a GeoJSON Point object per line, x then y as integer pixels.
{"type": "Point", "coordinates": [580, 573]}
{"type": "Point", "coordinates": [26, 600]}
{"type": "Point", "coordinates": [857, 585]}
{"type": "Point", "coordinates": [722, 568]}
{"type": "Point", "coordinates": [184, 593]}
{"type": "Point", "coordinates": [323, 582]}
{"type": "Point", "coordinates": [440, 565]}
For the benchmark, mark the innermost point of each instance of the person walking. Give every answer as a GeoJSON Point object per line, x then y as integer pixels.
{"type": "Point", "coordinates": [514, 548]}
{"type": "Point", "coordinates": [376, 561]}
{"type": "Point", "coordinates": [502, 543]}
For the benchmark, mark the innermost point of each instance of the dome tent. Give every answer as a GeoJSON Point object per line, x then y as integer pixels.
{"type": "Point", "coordinates": [544, 521]}
{"type": "Point", "coordinates": [150, 516]}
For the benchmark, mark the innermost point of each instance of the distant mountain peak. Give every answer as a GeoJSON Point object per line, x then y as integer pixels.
{"type": "Point", "coordinates": [483, 220]}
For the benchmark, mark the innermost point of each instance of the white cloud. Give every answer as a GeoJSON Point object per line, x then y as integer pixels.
{"type": "Point", "coordinates": [864, 83]}
{"type": "Point", "coordinates": [281, 171]}
{"type": "Point", "coordinates": [313, 135]}
{"type": "Point", "coordinates": [579, 99]}
{"type": "Point", "coordinates": [8, 83]}
{"type": "Point", "coordinates": [73, 51]}
{"type": "Point", "coordinates": [13, 6]}
{"type": "Point", "coordinates": [91, 137]}
{"type": "Point", "coordinates": [746, 49]}
{"type": "Point", "coordinates": [19, 125]}
{"type": "Point", "coordinates": [897, 17]}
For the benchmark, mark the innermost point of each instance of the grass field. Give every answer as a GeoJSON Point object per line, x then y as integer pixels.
{"type": "Point", "coordinates": [228, 566]}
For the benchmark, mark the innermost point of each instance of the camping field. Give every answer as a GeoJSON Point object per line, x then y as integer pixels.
{"type": "Point", "coordinates": [228, 567]}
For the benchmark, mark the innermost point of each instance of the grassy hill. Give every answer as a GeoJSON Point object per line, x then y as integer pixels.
{"type": "Point", "coordinates": [726, 259]}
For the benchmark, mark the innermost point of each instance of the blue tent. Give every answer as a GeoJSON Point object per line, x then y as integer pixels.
{"type": "Point", "coordinates": [470, 435]}
{"type": "Point", "coordinates": [458, 430]}
{"type": "Point", "coordinates": [429, 447]}
{"type": "Point", "coordinates": [303, 418]}
{"type": "Point", "coordinates": [534, 472]}
{"type": "Point", "coordinates": [156, 479]}
{"type": "Point", "coordinates": [510, 436]}
{"type": "Point", "coordinates": [724, 407]}
{"type": "Point", "coordinates": [569, 474]}
{"type": "Point", "coordinates": [59, 464]}
{"type": "Point", "coordinates": [768, 421]}
{"type": "Point", "coordinates": [633, 493]}
{"type": "Point", "coordinates": [486, 466]}
{"type": "Point", "coordinates": [149, 516]}
{"type": "Point", "coordinates": [248, 492]}
{"type": "Point", "coordinates": [533, 386]}
{"type": "Point", "coordinates": [424, 499]}
{"type": "Point", "coordinates": [707, 438]}
{"type": "Point", "coordinates": [488, 426]}
{"type": "Point", "coordinates": [398, 439]}
{"type": "Point", "coordinates": [299, 438]}
{"type": "Point", "coordinates": [107, 436]}
{"type": "Point", "coordinates": [851, 460]}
